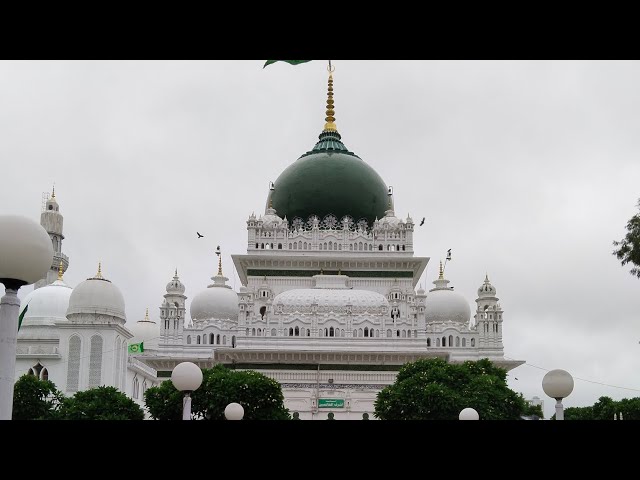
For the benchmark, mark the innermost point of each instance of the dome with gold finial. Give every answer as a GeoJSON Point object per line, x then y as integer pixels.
{"type": "Point", "coordinates": [218, 301]}
{"type": "Point", "coordinates": [330, 180]}
{"type": "Point", "coordinates": [46, 305]}
{"type": "Point", "coordinates": [147, 331]}
{"type": "Point", "coordinates": [98, 297]}
{"type": "Point", "coordinates": [444, 305]}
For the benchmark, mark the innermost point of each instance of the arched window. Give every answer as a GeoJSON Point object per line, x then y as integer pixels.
{"type": "Point", "coordinates": [451, 340]}
{"type": "Point", "coordinates": [403, 248]}
{"type": "Point", "coordinates": [274, 332]}
{"type": "Point", "coordinates": [366, 331]}
{"type": "Point", "coordinates": [457, 341]}
{"type": "Point", "coordinates": [360, 332]}
{"type": "Point", "coordinates": [299, 244]}
{"type": "Point", "coordinates": [397, 333]}
{"type": "Point", "coordinates": [330, 246]}
{"type": "Point", "coordinates": [211, 338]}
{"type": "Point", "coordinates": [464, 342]}
{"type": "Point", "coordinates": [188, 339]}
{"type": "Point", "coordinates": [377, 333]}
{"type": "Point", "coordinates": [253, 332]}
{"type": "Point", "coordinates": [198, 340]}
{"type": "Point", "coordinates": [279, 246]}
{"type": "Point", "coordinates": [289, 246]}
{"type": "Point", "coordinates": [404, 334]}
{"type": "Point", "coordinates": [428, 342]}
{"type": "Point", "coordinates": [31, 372]}
{"type": "Point", "coordinates": [304, 245]}
{"type": "Point", "coordinates": [340, 247]}
{"type": "Point", "coordinates": [355, 333]}
{"type": "Point", "coordinates": [95, 362]}
{"type": "Point", "coordinates": [204, 339]}
{"type": "Point", "coordinates": [44, 374]}
{"type": "Point", "coordinates": [136, 388]}
{"type": "Point", "coordinates": [296, 331]}
{"type": "Point", "coordinates": [262, 246]}
{"type": "Point", "coordinates": [389, 334]}
{"type": "Point", "coordinates": [342, 332]}
{"type": "Point", "coordinates": [444, 341]}
{"type": "Point", "coordinates": [438, 342]}
{"type": "Point", "coordinates": [308, 332]}
{"type": "Point", "coordinates": [247, 330]}
{"type": "Point", "coordinates": [473, 342]}
{"type": "Point", "coordinates": [224, 339]}
{"type": "Point", "coordinates": [144, 387]}
{"type": "Point", "coordinates": [233, 341]}
{"type": "Point", "coordinates": [380, 247]}
{"type": "Point", "coordinates": [326, 332]}
{"type": "Point", "coordinates": [291, 331]}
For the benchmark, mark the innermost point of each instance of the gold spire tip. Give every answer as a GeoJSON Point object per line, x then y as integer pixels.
{"type": "Point", "coordinates": [53, 191]}
{"type": "Point", "coordinates": [219, 265]}
{"type": "Point", "coordinates": [270, 202]}
{"type": "Point", "coordinates": [441, 277]}
{"type": "Point", "coordinates": [146, 315]}
{"type": "Point", "coordinates": [330, 126]}
{"type": "Point", "coordinates": [60, 271]}
{"type": "Point", "coordinates": [99, 274]}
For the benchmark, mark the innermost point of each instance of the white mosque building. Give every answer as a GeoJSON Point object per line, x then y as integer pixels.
{"type": "Point", "coordinates": [328, 304]}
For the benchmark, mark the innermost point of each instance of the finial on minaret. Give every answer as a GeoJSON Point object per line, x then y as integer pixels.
{"type": "Point", "coordinates": [146, 315]}
{"type": "Point", "coordinates": [486, 277]}
{"type": "Point", "coordinates": [53, 191]}
{"type": "Point", "coordinates": [60, 270]}
{"type": "Point", "coordinates": [441, 277]}
{"type": "Point", "coordinates": [176, 272]}
{"type": "Point", "coordinates": [218, 253]}
{"type": "Point", "coordinates": [270, 202]}
{"type": "Point", "coordinates": [99, 274]}
{"type": "Point", "coordinates": [330, 126]}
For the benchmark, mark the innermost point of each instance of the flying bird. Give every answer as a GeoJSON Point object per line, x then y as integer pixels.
{"type": "Point", "coordinates": [199, 236]}
{"type": "Point", "coordinates": [422, 221]}
{"type": "Point", "coordinates": [515, 378]}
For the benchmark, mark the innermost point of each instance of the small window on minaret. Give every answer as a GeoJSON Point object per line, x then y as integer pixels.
{"type": "Point", "coordinates": [50, 207]}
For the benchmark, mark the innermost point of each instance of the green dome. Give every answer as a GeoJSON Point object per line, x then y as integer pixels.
{"type": "Point", "coordinates": [330, 180]}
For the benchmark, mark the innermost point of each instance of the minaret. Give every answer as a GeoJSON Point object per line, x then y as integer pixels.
{"type": "Point", "coordinates": [488, 317]}
{"type": "Point", "coordinates": [172, 313]}
{"type": "Point", "coordinates": [51, 220]}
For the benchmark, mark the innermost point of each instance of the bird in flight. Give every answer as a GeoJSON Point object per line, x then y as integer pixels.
{"type": "Point", "coordinates": [199, 236]}
{"type": "Point", "coordinates": [515, 378]}
{"type": "Point", "coordinates": [422, 221]}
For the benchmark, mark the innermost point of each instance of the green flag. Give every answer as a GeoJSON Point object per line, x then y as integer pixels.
{"type": "Point", "coordinates": [136, 347]}
{"type": "Point", "coordinates": [291, 62]}
{"type": "Point", "coordinates": [22, 316]}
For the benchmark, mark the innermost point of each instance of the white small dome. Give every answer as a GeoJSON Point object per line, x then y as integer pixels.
{"type": "Point", "coordinates": [218, 301]}
{"type": "Point", "coordinates": [175, 286]}
{"type": "Point", "coordinates": [146, 331]}
{"type": "Point", "coordinates": [47, 305]}
{"type": "Point", "coordinates": [243, 289]}
{"type": "Point", "coordinates": [486, 289]}
{"type": "Point", "coordinates": [444, 305]}
{"type": "Point", "coordinates": [97, 295]}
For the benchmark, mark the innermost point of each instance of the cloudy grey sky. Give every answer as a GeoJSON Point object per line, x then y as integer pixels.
{"type": "Point", "coordinates": [527, 170]}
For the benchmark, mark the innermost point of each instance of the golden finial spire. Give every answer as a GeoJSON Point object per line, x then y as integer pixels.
{"type": "Point", "coordinates": [270, 202]}
{"type": "Point", "coordinates": [60, 270]}
{"type": "Point", "coordinates": [330, 126]}
{"type": "Point", "coordinates": [219, 265]}
{"type": "Point", "coordinates": [441, 277]}
{"type": "Point", "coordinates": [53, 191]}
{"type": "Point", "coordinates": [146, 315]}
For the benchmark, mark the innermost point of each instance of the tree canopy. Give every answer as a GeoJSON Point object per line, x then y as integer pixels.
{"type": "Point", "coordinates": [628, 250]}
{"type": "Point", "coordinates": [260, 396]}
{"type": "Point", "coordinates": [35, 399]}
{"type": "Point", "coordinates": [101, 403]}
{"type": "Point", "coordinates": [432, 389]}
{"type": "Point", "coordinates": [605, 409]}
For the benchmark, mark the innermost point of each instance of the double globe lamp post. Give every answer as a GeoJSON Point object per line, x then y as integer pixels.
{"type": "Point", "coordinates": [26, 255]}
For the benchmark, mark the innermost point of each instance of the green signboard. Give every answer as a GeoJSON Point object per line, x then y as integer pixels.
{"type": "Point", "coordinates": [330, 403]}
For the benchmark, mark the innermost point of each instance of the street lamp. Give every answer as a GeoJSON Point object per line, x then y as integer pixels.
{"type": "Point", "coordinates": [558, 384]}
{"type": "Point", "coordinates": [468, 414]}
{"type": "Point", "coordinates": [26, 254]}
{"type": "Point", "coordinates": [234, 411]}
{"type": "Point", "coordinates": [186, 377]}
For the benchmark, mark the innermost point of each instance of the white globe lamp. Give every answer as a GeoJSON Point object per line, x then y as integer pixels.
{"type": "Point", "coordinates": [186, 377]}
{"type": "Point", "coordinates": [234, 411]}
{"type": "Point", "coordinates": [469, 414]}
{"type": "Point", "coordinates": [26, 254]}
{"type": "Point", "coordinates": [558, 384]}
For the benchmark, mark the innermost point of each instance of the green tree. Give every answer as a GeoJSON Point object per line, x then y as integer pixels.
{"type": "Point", "coordinates": [101, 403]}
{"type": "Point", "coordinates": [628, 250]}
{"type": "Point", "coordinates": [577, 413]}
{"type": "Point", "coordinates": [432, 389]}
{"type": "Point", "coordinates": [533, 410]}
{"type": "Point", "coordinates": [260, 396]}
{"type": "Point", "coordinates": [35, 399]}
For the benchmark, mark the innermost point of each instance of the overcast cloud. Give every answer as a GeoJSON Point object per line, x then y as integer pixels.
{"type": "Point", "coordinates": [526, 170]}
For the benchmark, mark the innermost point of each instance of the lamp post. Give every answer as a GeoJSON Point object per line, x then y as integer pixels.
{"type": "Point", "coordinates": [186, 377]}
{"type": "Point", "coordinates": [558, 384]}
{"type": "Point", "coordinates": [469, 414]}
{"type": "Point", "coordinates": [234, 411]}
{"type": "Point", "coordinates": [26, 254]}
